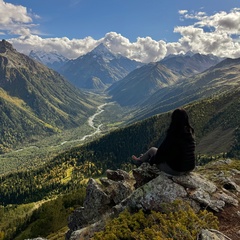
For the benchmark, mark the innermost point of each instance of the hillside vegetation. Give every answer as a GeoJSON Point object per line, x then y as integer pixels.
{"type": "Point", "coordinates": [46, 179]}
{"type": "Point", "coordinates": [36, 101]}
{"type": "Point", "coordinates": [177, 221]}
{"type": "Point", "coordinates": [112, 151]}
{"type": "Point", "coordinates": [40, 218]}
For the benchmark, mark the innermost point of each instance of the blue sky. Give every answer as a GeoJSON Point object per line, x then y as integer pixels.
{"type": "Point", "coordinates": [145, 30]}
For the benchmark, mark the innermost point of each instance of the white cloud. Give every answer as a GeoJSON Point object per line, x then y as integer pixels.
{"type": "Point", "coordinates": [68, 48]}
{"type": "Point", "coordinates": [144, 49]}
{"type": "Point", "coordinates": [14, 19]}
{"type": "Point", "coordinates": [182, 12]}
{"type": "Point", "coordinates": [216, 34]}
{"type": "Point", "coordinates": [227, 22]}
{"type": "Point", "coordinates": [221, 21]}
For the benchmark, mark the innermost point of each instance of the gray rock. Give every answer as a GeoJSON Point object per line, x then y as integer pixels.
{"type": "Point", "coordinates": [144, 174]}
{"type": "Point", "coordinates": [77, 219]}
{"type": "Point", "coordinates": [148, 191]}
{"type": "Point", "coordinates": [211, 234]}
{"type": "Point", "coordinates": [118, 175]}
{"type": "Point", "coordinates": [204, 198]}
{"type": "Point", "coordinates": [117, 191]}
{"type": "Point", "coordinates": [227, 198]}
{"type": "Point", "coordinates": [195, 181]}
{"type": "Point", "coordinates": [159, 190]}
{"type": "Point", "coordinates": [230, 185]}
{"type": "Point", "coordinates": [96, 202]}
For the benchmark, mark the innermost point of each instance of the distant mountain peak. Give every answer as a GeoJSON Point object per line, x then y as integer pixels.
{"type": "Point", "coordinates": [100, 67]}
{"type": "Point", "coordinates": [52, 59]}
{"type": "Point", "coordinates": [104, 52]}
{"type": "Point", "coordinates": [101, 49]}
{"type": "Point", "coordinates": [189, 64]}
{"type": "Point", "coordinates": [47, 57]}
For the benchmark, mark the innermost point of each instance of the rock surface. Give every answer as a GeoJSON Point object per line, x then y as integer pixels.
{"type": "Point", "coordinates": [147, 188]}
{"type": "Point", "coordinates": [210, 234]}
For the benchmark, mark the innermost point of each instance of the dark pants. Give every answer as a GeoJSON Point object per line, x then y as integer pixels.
{"type": "Point", "coordinates": [162, 166]}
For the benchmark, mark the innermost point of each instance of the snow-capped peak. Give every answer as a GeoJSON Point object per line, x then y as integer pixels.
{"type": "Point", "coordinates": [104, 52]}
{"type": "Point", "coordinates": [53, 60]}
{"type": "Point", "coordinates": [47, 57]}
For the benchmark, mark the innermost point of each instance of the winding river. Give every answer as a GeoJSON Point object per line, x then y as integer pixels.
{"type": "Point", "coordinates": [97, 129]}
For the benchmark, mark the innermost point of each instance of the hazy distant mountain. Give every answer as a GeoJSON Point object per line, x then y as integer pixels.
{"type": "Point", "coordinates": [52, 60]}
{"type": "Point", "coordinates": [190, 64]}
{"type": "Point", "coordinates": [36, 100]}
{"type": "Point", "coordinates": [219, 79]}
{"type": "Point", "coordinates": [98, 68]}
{"type": "Point", "coordinates": [141, 83]}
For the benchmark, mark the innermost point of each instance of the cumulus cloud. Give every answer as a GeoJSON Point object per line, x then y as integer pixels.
{"type": "Point", "coordinates": [68, 48]}
{"type": "Point", "coordinates": [223, 21]}
{"type": "Point", "coordinates": [216, 34]}
{"type": "Point", "coordinates": [14, 19]}
{"type": "Point", "coordinates": [144, 49]}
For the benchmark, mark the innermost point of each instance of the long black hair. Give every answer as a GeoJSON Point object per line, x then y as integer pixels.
{"type": "Point", "coordinates": [180, 123]}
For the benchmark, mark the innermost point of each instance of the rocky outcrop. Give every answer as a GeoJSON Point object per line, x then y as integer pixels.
{"type": "Point", "coordinates": [146, 188]}
{"type": "Point", "coordinates": [208, 234]}
{"type": "Point", "coordinates": [4, 46]}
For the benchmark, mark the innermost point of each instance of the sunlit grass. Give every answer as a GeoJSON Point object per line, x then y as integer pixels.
{"type": "Point", "coordinates": [14, 100]}
{"type": "Point", "coordinates": [68, 175]}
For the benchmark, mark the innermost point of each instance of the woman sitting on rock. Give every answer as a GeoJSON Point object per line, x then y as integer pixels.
{"type": "Point", "coordinates": [176, 154]}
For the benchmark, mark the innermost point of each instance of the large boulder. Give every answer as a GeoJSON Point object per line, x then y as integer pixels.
{"type": "Point", "coordinates": [100, 198]}
{"type": "Point", "coordinates": [147, 188]}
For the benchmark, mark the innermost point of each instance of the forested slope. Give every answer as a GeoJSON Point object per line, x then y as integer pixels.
{"type": "Point", "coordinates": [36, 101]}
{"type": "Point", "coordinates": [65, 172]}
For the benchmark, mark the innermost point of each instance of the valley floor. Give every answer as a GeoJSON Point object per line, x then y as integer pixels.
{"type": "Point", "coordinates": [107, 117]}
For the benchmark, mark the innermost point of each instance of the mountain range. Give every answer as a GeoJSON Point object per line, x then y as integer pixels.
{"type": "Point", "coordinates": [54, 103]}
{"type": "Point", "coordinates": [98, 68]}
{"type": "Point", "coordinates": [141, 83]}
{"type": "Point", "coordinates": [218, 79]}
{"type": "Point", "coordinates": [130, 83]}
{"type": "Point", "coordinates": [36, 100]}
{"type": "Point", "coordinates": [190, 64]}
{"type": "Point", "coordinates": [152, 82]}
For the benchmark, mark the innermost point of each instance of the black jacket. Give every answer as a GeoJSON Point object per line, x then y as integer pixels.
{"type": "Point", "coordinates": [178, 151]}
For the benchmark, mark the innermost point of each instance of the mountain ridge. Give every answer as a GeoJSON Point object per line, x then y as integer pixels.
{"type": "Point", "coordinates": [141, 84]}
{"type": "Point", "coordinates": [215, 80]}
{"type": "Point", "coordinates": [33, 92]}
{"type": "Point", "coordinates": [136, 87]}
{"type": "Point", "coordinates": [190, 64]}
{"type": "Point", "coordinates": [99, 64]}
